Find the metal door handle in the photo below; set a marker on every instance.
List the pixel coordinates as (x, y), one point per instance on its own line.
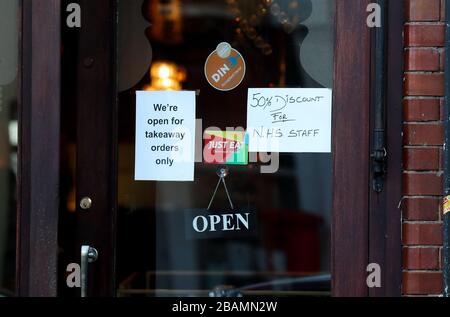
(88, 255)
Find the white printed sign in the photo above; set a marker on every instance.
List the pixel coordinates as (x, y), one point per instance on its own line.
(289, 120)
(165, 135)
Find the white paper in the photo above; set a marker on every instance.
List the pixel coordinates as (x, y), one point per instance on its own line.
(289, 120)
(165, 135)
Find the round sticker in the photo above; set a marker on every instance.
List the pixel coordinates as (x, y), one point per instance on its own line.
(225, 68)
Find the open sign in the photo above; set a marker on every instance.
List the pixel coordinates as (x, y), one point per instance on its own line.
(204, 224)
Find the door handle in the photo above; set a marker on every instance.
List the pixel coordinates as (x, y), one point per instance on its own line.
(88, 255)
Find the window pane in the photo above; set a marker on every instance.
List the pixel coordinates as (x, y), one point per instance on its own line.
(285, 44)
(9, 60)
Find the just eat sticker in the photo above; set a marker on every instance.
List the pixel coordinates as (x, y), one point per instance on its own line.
(225, 147)
(225, 68)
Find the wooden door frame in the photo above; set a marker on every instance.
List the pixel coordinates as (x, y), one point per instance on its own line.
(366, 227)
(96, 174)
(38, 151)
(354, 206)
(385, 242)
(349, 243)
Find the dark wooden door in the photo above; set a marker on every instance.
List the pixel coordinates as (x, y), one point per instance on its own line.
(97, 118)
(96, 140)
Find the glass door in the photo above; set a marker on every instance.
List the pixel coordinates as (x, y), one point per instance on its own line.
(9, 95)
(164, 45)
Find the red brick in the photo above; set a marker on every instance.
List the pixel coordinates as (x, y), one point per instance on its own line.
(417, 84)
(421, 110)
(423, 10)
(422, 60)
(442, 107)
(423, 134)
(424, 35)
(425, 54)
(421, 159)
(422, 184)
(421, 209)
(422, 234)
(422, 283)
(421, 258)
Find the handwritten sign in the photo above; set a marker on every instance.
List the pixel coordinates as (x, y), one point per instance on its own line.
(165, 135)
(289, 120)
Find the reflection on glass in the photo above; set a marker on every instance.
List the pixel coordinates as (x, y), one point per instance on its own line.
(166, 76)
(9, 56)
(285, 43)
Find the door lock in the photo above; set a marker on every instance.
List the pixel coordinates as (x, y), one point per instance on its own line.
(86, 203)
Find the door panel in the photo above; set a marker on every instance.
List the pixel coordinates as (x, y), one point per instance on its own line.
(96, 122)
(351, 153)
(308, 228)
(88, 146)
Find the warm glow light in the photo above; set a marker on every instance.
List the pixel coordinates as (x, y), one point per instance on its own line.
(167, 83)
(166, 76)
(164, 71)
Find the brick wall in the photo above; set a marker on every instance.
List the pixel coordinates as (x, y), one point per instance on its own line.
(423, 139)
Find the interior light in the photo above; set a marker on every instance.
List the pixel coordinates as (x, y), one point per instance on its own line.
(164, 72)
(166, 76)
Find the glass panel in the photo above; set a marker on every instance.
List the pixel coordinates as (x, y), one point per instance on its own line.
(285, 43)
(9, 82)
